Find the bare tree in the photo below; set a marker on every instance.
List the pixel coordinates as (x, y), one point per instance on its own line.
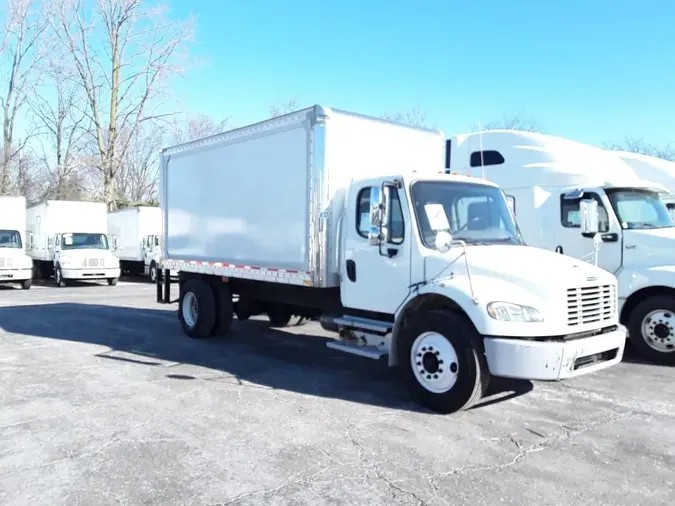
(122, 58)
(24, 27)
(62, 126)
(284, 107)
(413, 117)
(638, 145)
(516, 122)
(188, 127)
(139, 172)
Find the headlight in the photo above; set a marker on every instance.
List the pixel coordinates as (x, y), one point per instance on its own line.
(508, 312)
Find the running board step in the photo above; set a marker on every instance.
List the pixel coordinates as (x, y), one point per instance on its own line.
(364, 324)
(355, 349)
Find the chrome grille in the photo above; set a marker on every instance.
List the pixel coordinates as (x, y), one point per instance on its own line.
(590, 304)
(94, 262)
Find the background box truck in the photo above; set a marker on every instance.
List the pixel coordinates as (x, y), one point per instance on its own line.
(547, 179)
(138, 233)
(321, 213)
(70, 240)
(15, 265)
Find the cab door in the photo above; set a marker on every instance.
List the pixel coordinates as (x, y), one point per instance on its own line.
(375, 277)
(570, 239)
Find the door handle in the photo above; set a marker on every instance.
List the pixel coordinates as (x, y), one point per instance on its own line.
(351, 270)
(612, 237)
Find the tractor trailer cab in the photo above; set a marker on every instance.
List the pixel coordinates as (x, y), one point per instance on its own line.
(352, 220)
(552, 184)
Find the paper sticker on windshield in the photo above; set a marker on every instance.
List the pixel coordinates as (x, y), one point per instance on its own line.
(437, 217)
(68, 239)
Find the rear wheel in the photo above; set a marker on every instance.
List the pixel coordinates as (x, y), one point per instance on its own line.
(197, 308)
(441, 362)
(224, 309)
(279, 316)
(651, 329)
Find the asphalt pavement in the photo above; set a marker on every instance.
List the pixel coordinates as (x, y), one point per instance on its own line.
(105, 401)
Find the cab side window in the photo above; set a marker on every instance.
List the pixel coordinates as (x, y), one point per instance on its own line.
(396, 222)
(570, 216)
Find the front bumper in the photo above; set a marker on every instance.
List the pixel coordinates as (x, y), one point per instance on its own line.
(554, 360)
(15, 275)
(90, 273)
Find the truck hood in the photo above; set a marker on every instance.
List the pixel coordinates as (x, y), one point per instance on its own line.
(649, 247)
(14, 258)
(519, 274)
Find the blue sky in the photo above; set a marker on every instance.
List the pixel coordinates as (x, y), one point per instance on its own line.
(590, 70)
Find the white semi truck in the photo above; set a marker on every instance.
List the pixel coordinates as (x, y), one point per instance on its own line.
(547, 179)
(656, 169)
(351, 219)
(70, 240)
(138, 233)
(15, 265)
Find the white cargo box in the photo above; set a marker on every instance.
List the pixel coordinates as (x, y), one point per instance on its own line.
(263, 201)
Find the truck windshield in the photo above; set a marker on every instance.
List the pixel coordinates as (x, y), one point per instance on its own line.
(84, 241)
(474, 213)
(10, 239)
(639, 208)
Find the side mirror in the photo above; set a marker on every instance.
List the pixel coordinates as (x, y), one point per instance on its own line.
(114, 243)
(443, 241)
(590, 218)
(379, 215)
(29, 240)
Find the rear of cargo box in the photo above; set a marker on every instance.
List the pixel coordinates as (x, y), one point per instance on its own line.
(242, 197)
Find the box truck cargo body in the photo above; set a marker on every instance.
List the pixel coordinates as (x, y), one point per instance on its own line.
(552, 182)
(15, 265)
(351, 219)
(70, 241)
(138, 233)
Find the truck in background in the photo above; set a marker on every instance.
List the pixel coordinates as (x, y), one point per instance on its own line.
(138, 233)
(351, 219)
(548, 179)
(15, 265)
(656, 169)
(70, 240)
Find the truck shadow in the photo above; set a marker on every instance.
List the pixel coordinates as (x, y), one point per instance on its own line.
(294, 361)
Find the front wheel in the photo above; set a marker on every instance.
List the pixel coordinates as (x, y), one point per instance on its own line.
(153, 272)
(26, 284)
(112, 281)
(441, 363)
(58, 277)
(651, 329)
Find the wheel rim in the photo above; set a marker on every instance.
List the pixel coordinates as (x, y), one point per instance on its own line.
(153, 274)
(434, 362)
(658, 330)
(190, 309)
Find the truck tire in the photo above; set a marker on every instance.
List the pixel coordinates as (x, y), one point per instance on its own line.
(651, 329)
(26, 284)
(440, 361)
(58, 277)
(153, 272)
(224, 309)
(279, 316)
(197, 308)
(112, 281)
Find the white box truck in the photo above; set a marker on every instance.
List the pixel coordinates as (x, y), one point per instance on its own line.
(655, 169)
(329, 214)
(70, 240)
(550, 182)
(15, 265)
(138, 233)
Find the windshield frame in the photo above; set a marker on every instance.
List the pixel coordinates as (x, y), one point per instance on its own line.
(611, 196)
(18, 234)
(64, 247)
(518, 239)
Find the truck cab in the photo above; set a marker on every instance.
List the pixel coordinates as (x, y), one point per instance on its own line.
(15, 264)
(84, 256)
(551, 182)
